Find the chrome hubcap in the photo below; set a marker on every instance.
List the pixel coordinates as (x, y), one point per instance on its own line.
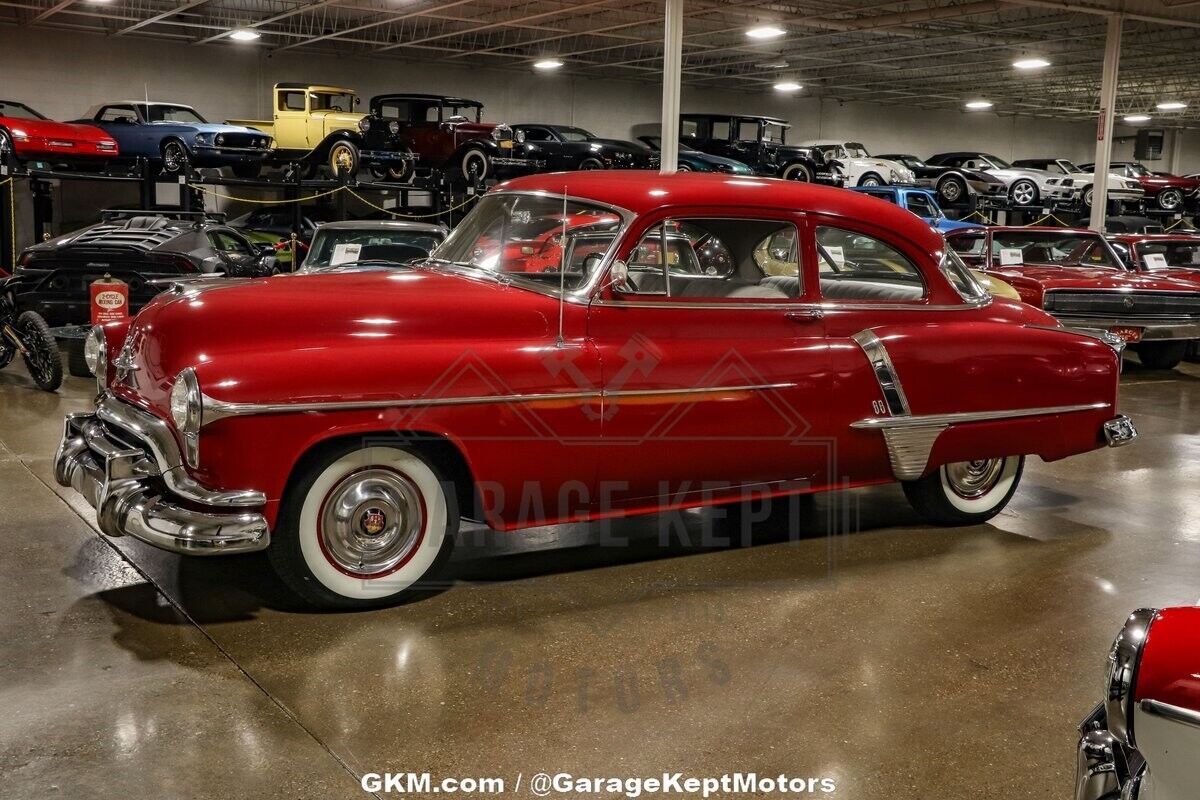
(973, 479)
(372, 522)
(342, 159)
(950, 191)
(1023, 194)
(1169, 200)
(870, 182)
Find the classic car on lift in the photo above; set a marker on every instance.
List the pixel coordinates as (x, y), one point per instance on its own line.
(831, 341)
(952, 184)
(27, 136)
(1167, 192)
(1025, 186)
(695, 161)
(860, 167)
(450, 136)
(760, 143)
(178, 138)
(565, 147)
(1122, 191)
(1075, 275)
(1141, 740)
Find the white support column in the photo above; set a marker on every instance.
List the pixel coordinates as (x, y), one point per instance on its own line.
(672, 69)
(1104, 125)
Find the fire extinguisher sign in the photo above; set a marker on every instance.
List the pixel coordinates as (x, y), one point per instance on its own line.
(110, 300)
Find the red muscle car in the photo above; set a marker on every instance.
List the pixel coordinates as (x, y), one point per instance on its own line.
(344, 421)
(1166, 191)
(27, 135)
(1141, 741)
(1171, 254)
(1076, 276)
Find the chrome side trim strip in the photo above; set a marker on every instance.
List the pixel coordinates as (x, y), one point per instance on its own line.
(791, 305)
(219, 409)
(1156, 708)
(934, 420)
(885, 372)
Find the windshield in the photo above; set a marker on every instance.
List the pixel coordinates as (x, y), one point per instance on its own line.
(998, 163)
(1181, 254)
(1139, 170)
(1011, 248)
(856, 150)
(527, 238)
(18, 111)
(328, 101)
(575, 134)
(1069, 166)
(161, 113)
(334, 247)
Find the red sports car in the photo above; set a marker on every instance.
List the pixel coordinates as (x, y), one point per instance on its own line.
(1141, 741)
(344, 421)
(1076, 275)
(27, 135)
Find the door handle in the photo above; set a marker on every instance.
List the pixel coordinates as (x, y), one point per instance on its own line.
(805, 315)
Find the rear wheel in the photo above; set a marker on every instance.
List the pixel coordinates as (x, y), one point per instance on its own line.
(42, 358)
(1023, 193)
(1161, 355)
(591, 163)
(796, 172)
(952, 189)
(966, 492)
(363, 527)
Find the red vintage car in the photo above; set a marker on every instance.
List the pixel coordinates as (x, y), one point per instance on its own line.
(1075, 275)
(1141, 741)
(27, 135)
(344, 421)
(1165, 191)
(1176, 255)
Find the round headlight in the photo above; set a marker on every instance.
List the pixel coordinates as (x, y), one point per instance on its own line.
(95, 355)
(185, 402)
(220, 139)
(364, 124)
(393, 127)
(501, 132)
(1121, 677)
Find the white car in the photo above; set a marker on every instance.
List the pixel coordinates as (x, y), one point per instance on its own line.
(1026, 186)
(1067, 174)
(861, 168)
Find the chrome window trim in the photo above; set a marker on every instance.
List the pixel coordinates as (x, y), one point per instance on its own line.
(799, 305)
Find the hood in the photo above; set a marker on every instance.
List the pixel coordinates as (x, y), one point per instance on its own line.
(717, 162)
(347, 118)
(1052, 277)
(1013, 173)
(65, 130)
(1168, 182)
(259, 334)
(209, 127)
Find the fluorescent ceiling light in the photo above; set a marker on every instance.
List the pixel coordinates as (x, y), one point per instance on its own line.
(765, 32)
(1171, 105)
(788, 86)
(978, 104)
(244, 35)
(1138, 118)
(1031, 63)
(547, 63)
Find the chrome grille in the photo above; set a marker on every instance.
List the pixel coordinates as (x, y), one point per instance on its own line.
(1139, 304)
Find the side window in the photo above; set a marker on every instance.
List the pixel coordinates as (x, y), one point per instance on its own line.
(1096, 255)
(228, 244)
(920, 205)
(690, 127)
(118, 114)
(704, 260)
(747, 131)
(537, 135)
(857, 267)
(292, 101)
(720, 130)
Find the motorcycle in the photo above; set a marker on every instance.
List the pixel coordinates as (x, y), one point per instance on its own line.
(28, 334)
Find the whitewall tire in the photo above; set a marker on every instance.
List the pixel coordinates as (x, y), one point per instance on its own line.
(967, 492)
(365, 526)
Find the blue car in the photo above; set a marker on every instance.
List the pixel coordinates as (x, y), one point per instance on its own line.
(922, 202)
(179, 138)
(695, 161)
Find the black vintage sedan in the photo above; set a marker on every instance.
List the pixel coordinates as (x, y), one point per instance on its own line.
(563, 148)
(952, 184)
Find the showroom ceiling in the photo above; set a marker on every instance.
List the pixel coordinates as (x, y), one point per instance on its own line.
(928, 54)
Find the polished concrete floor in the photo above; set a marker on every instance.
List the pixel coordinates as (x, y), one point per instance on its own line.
(901, 660)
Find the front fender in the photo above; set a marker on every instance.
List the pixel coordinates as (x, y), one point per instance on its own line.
(322, 149)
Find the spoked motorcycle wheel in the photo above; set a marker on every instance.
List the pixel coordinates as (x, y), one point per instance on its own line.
(41, 351)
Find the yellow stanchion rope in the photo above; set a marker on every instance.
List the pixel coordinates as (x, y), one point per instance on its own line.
(1173, 225)
(449, 210)
(1061, 224)
(982, 217)
(224, 196)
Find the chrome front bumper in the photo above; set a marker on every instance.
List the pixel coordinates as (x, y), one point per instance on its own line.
(1105, 769)
(127, 465)
(1153, 330)
(1119, 431)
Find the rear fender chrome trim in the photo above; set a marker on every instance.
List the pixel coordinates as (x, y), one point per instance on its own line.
(885, 372)
(935, 420)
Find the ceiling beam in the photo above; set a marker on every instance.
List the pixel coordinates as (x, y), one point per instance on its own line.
(161, 16)
(51, 11)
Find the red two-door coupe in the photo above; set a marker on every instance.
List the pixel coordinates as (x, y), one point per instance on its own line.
(1141, 741)
(345, 420)
(1075, 275)
(27, 135)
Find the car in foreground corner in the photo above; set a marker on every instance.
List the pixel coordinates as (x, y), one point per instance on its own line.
(1141, 740)
(466, 385)
(25, 136)
(380, 242)
(1076, 276)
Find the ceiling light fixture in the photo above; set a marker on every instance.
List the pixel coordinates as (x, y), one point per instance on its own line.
(244, 35)
(1171, 105)
(547, 64)
(788, 86)
(977, 105)
(1137, 118)
(765, 32)
(1031, 63)
(772, 64)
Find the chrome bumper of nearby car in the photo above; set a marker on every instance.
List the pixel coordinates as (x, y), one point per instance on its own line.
(1153, 329)
(128, 466)
(1105, 768)
(1119, 431)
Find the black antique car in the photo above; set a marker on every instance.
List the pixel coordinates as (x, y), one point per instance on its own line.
(761, 143)
(564, 147)
(54, 277)
(952, 184)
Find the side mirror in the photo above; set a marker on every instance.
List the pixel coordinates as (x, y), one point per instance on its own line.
(618, 275)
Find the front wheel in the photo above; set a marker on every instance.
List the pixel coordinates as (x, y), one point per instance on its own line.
(871, 179)
(591, 163)
(952, 190)
(1024, 193)
(175, 157)
(364, 527)
(343, 157)
(475, 166)
(41, 351)
(966, 492)
(1161, 355)
(1089, 194)
(796, 172)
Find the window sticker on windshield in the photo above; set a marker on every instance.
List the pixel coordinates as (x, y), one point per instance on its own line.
(1011, 257)
(1155, 261)
(836, 253)
(344, 254)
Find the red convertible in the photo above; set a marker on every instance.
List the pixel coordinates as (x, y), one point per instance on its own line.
(1076, 275)
(1141, 741)
(344, 421)
(27, 135)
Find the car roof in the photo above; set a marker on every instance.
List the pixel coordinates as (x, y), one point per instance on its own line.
(642, 191)
(382, 224)
(316, 87)
(439, 98)
(1155, 237)
(775, 120)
